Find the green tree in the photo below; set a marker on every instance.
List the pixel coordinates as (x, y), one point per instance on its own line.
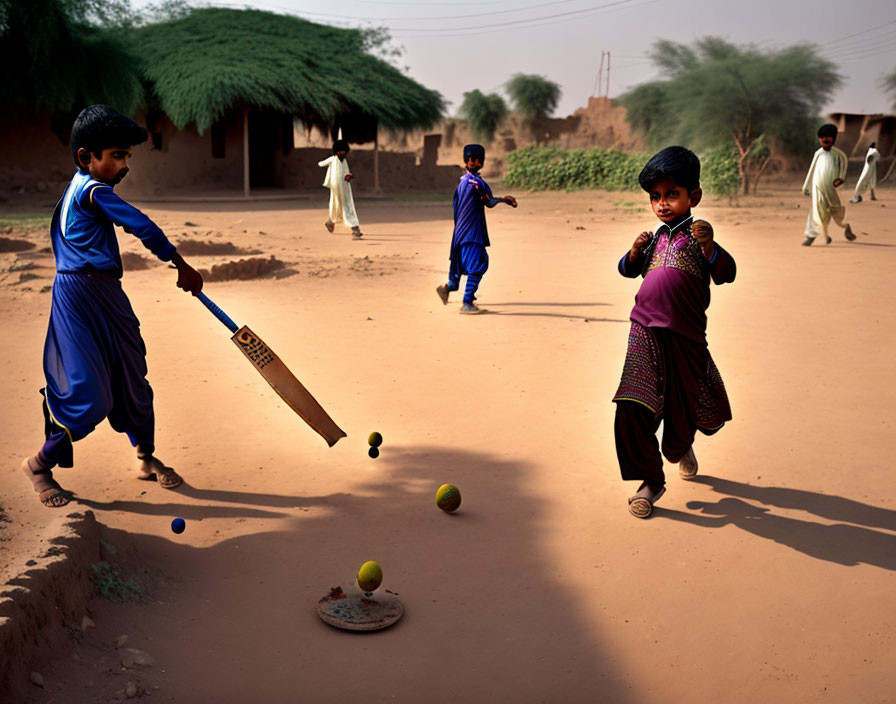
(64, 54)
(533, 96)
(484, 113)
(717, 92)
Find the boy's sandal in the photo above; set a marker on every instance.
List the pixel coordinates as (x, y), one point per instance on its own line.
(55, 496)
(165, 476)
(642, 507)
(467, 309)
(443, 294)
(687, 468)
(48, 490)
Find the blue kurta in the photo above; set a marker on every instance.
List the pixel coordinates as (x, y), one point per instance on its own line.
(470, 198)
(94, 356)
(82, 231)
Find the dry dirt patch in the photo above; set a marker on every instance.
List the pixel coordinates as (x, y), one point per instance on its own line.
(246, 270)
(198, 248)
(8, 244)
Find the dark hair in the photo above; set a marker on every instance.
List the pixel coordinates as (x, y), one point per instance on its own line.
(677, 163)
(874, 145)
(828, 130)
(340, 145)
(474, 151)
(99, 127)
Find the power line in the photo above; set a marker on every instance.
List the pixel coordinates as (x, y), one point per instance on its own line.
(409, 33)
(864, 44)
(856, 34)
(510, 23)
(889, 49)
(437, 18)
(882, 43)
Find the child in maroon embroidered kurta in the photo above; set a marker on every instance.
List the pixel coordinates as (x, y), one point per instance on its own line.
(669, 374)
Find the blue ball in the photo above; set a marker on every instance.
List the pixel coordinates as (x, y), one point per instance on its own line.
(178, 525)
(373, 452)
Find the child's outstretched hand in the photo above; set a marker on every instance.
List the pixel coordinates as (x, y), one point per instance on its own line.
(702, 232)
(510, 200)
(639, 245)
(188, 278)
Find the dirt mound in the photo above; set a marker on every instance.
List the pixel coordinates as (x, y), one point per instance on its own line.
(246, 270)
(198, 248)
(44, 598)
(134, 262)
(8, 244)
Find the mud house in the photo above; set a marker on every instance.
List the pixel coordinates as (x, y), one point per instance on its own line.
(223, 90)
(857, 132)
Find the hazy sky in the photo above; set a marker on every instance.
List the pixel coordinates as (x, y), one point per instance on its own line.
(456, 46)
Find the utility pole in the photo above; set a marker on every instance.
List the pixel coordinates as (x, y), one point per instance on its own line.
(607, 86)
(599, 77)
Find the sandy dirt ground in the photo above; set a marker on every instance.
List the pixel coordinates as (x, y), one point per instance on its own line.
(769, 578)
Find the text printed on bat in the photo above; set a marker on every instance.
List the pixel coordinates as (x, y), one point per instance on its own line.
(256, 350)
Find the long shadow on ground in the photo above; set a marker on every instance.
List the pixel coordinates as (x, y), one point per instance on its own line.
(488, 618)
(841, 543)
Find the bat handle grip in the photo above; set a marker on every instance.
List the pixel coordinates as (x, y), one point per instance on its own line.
(217, 312)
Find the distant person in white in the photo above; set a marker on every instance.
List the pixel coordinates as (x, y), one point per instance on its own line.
(868, 179)
(826, 173)
(338, 178)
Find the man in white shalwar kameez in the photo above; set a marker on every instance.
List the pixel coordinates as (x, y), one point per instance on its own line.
(868, 179)
(826, 173)
(338, 180)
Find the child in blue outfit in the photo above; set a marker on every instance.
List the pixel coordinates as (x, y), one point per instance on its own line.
(94, 356)
(468, 255)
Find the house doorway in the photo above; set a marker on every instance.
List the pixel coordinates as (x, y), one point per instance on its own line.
(264, 145)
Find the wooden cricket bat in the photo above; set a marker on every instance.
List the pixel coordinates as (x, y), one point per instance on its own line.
(277, 374)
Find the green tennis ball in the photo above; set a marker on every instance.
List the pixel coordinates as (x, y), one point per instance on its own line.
(370, 576)
(375, 439)
(448, 498)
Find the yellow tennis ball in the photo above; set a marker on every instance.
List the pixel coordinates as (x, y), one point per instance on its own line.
(448, 497)
(375, 439)
(370, 576)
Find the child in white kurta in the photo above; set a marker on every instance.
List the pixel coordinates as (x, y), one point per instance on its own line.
(868, 179)
(826, 173)
(338, 180)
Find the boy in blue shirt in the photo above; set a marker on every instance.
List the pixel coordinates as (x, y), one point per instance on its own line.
(94, 356)
(468, 255)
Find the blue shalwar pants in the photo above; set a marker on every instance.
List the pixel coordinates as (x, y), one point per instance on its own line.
(95, 366)
(470, 259)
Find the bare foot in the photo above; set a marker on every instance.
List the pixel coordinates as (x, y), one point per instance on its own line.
(443, 293)
(48, 490)
(153, 469)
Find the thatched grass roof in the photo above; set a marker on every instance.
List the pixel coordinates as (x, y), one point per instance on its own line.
(214, 60)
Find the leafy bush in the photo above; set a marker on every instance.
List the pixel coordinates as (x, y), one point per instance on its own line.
(110, 585)
(556, 169)
(718, 171)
